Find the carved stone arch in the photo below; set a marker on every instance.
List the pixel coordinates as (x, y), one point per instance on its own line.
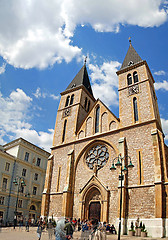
(94, 192)
(81, 134)
(104, 122)
(113, 125)
(89, 127)
(89, 145)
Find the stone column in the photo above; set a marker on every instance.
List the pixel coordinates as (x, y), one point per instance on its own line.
(46, 193)
(122, 151)
(67, 192)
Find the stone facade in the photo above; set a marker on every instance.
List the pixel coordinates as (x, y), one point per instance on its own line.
(81, 184)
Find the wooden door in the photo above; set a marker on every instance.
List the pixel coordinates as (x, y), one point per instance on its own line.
(94, 210)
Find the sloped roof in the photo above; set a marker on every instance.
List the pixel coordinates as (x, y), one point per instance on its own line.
(80, 79)
(131, 57)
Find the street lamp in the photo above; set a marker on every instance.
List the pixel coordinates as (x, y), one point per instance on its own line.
(120, 160)
(19, 182)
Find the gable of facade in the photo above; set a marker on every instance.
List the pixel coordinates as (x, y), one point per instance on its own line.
(99, 119)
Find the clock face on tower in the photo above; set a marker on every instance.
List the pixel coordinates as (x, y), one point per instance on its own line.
(66, 112)
(97, 155)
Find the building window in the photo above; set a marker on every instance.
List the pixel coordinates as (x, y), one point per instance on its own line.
(88, 107)
(97, 119)
(85, 103)
(135, 77)
(7, 166)
(4, 184)
(38, 162)
(22, 189)
(135, 105)
(26, 156)
(58, 179)
(129, 79)
(34, 190)
(20, 202)
(67, 101)
(72, 99)
(36, 176)
(2, 200)
(1, 215)
(24, 172)
(140, 167)
(32, 207)
(64, 131)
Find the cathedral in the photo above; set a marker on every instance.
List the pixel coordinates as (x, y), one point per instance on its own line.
(96, 156)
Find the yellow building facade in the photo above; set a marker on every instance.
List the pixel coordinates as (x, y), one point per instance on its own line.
(87, 139)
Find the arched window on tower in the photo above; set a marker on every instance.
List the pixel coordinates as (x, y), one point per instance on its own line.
(135, 77)
(67, 101)
(88, 107)
(135, 105)
(85, 103)
(64, 131)
(129, 79)
(72, 99)
(97, 119)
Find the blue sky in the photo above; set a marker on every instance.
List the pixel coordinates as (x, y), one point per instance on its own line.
(43, 45)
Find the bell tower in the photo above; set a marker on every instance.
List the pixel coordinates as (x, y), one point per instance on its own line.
(75, 103)
(137, 98)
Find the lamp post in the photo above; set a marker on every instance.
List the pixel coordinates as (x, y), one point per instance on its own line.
(120, 162)
(19, 182)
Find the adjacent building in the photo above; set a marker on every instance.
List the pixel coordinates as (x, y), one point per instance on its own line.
(22, 176)
(87, 139)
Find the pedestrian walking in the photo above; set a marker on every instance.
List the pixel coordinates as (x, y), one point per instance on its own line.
(39, 230)
(14, 222)
(50, 229)
(27, 224)
(69, 229)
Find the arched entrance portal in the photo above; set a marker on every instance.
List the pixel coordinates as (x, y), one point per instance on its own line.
(93, 204)
(94, 201)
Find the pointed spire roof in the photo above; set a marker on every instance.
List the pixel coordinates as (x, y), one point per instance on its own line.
(131, 58)
(81, 79)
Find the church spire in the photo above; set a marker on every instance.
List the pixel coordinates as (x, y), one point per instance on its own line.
(81, 79)
(131, 57)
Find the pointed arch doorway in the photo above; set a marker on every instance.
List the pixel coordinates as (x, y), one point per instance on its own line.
(94, 201)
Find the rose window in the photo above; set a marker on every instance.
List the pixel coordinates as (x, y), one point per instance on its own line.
(97, 155)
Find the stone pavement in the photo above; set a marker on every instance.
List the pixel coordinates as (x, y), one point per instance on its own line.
(11, 234)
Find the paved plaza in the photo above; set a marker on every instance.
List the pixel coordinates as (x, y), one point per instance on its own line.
(11, 234)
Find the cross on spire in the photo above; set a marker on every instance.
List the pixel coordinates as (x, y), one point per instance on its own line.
(85, 60)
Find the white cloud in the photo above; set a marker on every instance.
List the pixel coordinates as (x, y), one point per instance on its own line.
(105, 82)
(161, 85)
(159, 73)
(39, 33)
(14, 120)
(40, 94)
(165, 127)
(2, 68)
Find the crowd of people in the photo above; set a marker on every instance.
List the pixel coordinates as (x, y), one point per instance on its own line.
(63, 229)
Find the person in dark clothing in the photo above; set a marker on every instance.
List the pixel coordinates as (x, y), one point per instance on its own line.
(69, 229)
(14, 222)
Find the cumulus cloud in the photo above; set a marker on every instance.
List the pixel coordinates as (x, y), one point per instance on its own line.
(105, 82)
(40, 33)
(161, 85)
(40, 94)
(165, 127)
(160, 73)
(2, 68)
(14, 120)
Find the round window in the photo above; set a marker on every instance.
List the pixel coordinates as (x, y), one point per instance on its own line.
(97, 155)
